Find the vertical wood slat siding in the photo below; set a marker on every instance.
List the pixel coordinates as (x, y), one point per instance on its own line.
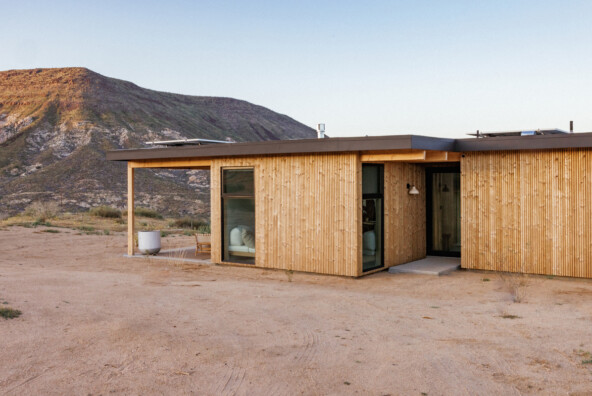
(304, 206)
(527, 211)
(404, 214)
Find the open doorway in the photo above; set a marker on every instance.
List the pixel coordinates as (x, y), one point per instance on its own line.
(443, 211)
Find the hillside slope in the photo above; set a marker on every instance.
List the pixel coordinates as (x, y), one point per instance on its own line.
(56, 124)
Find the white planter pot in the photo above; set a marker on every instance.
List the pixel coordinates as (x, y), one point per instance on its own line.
(149, 242)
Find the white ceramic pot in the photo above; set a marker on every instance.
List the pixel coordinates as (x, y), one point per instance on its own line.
(149, 242)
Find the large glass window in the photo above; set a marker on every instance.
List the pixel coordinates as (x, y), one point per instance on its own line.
(238, 215)
(372, 216)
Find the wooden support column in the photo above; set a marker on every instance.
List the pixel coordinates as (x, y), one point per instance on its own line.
(130, 209)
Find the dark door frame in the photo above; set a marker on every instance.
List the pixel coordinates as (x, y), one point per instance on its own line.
(429, 213)
(380, 196)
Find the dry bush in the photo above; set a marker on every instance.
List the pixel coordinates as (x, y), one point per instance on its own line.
(146, 212)
(106, 212)
(516, 284)
(42, 211)
(189, 222)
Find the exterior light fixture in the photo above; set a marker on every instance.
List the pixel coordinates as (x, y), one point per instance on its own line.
(412, 189)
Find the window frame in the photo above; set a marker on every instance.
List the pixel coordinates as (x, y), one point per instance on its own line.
(379, 195)
(224, 196)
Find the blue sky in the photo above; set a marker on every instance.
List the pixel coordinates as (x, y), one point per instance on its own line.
(440, 68)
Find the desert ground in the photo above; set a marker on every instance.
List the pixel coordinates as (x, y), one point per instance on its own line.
(94, 322)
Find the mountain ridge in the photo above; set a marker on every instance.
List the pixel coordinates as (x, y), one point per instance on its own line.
(56, 123)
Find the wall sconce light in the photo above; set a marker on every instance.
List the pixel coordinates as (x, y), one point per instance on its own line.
(412, 189)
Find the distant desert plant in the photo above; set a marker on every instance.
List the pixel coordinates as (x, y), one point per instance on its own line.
(516, 285)
(9, 313)
(506, 315)
(105, 211)
(188, 222)
(51, 231)
(42, 211)
(204, 229)
(290, 275)
(145, 212)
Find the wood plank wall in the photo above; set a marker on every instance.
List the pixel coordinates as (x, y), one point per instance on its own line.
(528, 211)
(404, 214)
(307, 211)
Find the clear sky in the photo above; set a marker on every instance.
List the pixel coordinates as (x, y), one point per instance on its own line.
(441, 68)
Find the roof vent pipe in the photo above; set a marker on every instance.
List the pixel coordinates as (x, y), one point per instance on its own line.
(321, 131)
(571, 127)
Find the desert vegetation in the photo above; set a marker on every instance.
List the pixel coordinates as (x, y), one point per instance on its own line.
(43, 211)
(516, 284)
(190, 223)
(106, 211)
(9, 313)
(102, 220)
(146, 212)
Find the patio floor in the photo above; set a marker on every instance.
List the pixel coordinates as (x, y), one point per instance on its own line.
(184, 254)
(431, 265)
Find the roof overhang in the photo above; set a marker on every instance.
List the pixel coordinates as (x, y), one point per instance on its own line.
(358, 144)
(536, 142)
(301, 146)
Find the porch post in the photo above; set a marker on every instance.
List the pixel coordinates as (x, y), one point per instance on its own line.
(130, 209)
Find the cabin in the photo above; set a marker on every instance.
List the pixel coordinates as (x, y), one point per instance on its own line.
(517, 202)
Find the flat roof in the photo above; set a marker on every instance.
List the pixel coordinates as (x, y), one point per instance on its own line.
(365, 143)
(519, 133)
(535, 142)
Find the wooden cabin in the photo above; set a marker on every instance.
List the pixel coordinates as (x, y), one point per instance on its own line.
(354, 206)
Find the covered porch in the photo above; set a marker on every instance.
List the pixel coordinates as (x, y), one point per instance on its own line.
(185, 253)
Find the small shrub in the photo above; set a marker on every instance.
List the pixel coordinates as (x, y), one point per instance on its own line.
(204, 229)
(106, 211)
(516, 285)
(509, 316)
(145, 212)
(40, 222)
(188, 233)
(164, 234)
(43, 210)
(584, 355)
(51, 230)
(9, 313)
(188, 222)
(106, 232)
(86, 228)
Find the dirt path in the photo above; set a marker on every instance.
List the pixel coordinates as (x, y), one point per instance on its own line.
(96, 323)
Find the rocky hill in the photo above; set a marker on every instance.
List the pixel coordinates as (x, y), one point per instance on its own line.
(56, 124)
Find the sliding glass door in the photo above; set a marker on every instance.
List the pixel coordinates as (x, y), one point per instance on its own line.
(443, 211)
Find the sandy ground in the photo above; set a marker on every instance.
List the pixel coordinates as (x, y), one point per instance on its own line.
(96, 323)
